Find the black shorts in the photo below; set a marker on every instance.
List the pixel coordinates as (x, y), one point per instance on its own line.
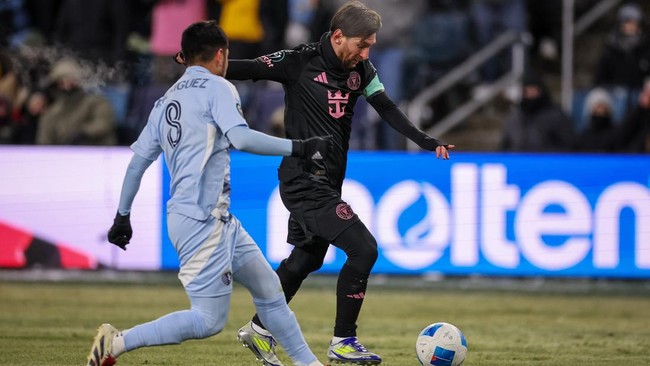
(317, 211)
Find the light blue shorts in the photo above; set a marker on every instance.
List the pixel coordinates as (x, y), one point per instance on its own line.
(210, 252)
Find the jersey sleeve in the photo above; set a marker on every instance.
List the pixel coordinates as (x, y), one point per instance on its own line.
(226, 106)
(282, 66)
(148, 144)
(373, 86)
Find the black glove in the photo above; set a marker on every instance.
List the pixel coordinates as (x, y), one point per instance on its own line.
(313, 148)
(120, 233)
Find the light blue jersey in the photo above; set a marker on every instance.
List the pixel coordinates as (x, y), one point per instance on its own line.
(189, 124)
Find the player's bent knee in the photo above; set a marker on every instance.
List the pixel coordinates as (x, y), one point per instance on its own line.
(212, 326)
(209, 316)
(365, 260)
(364, 254)
(303, 265)
(215, 328)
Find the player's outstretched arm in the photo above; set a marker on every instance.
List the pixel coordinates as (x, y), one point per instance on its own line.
(389, 112)
(237, 69)
(246, 139)
(121, 232)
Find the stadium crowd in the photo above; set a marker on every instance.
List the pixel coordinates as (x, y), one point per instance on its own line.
(86, 72)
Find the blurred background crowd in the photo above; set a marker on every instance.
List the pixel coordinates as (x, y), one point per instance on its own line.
(86, 72)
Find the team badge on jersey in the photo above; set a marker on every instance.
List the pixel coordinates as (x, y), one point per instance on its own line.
(354, 80)
(344, 211)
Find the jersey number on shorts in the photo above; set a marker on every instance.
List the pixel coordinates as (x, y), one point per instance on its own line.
(172, 117)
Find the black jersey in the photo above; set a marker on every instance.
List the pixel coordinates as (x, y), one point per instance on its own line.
(320, 95)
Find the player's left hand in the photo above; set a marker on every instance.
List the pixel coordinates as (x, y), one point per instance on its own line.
(120, 233)
(443, 151)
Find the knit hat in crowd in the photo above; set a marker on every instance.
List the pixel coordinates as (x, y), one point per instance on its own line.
(630, 11)
(65, 69)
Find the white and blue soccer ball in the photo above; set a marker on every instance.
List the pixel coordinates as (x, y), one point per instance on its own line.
(441, 344)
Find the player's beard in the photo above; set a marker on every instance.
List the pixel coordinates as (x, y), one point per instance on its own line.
(350, 64)
(223, 67)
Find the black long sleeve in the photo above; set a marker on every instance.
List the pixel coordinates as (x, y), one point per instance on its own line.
(243, 70)
(283, 66)
(390, 113)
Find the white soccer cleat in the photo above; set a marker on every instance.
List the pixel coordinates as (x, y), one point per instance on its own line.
(101, 352)
(350, 351)
(262, 346)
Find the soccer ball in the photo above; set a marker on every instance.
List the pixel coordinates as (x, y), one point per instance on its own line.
(441, 344)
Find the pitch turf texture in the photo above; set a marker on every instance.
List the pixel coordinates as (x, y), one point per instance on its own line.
(584, 323)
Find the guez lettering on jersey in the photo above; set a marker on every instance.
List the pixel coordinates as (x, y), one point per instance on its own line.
(192, 83)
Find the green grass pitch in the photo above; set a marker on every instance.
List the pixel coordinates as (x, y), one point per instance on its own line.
(46, 323)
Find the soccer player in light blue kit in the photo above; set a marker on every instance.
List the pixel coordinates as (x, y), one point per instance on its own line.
(194, 124)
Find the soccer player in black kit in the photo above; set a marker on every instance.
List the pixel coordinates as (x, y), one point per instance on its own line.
(322, 82)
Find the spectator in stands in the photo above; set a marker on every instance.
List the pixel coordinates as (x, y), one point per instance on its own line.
(537, 124)
(75, 116)
(13, 23)
(637, 124)
(388, 56)
(301, 17)
(169, 19)
(545, 18)
(6, 123)
(26, 127)
(131, 100)
(242, 22)
(42, 16)
(95, 33)
(600, 134)
(254, 27)
(95, 30)
(320, 23)
(275, 18)
(12, 85)
(625, 60)
(138, 47)
(18, 77)
(491, 18)
(440, 39)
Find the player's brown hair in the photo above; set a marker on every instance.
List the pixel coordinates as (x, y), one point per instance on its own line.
(355, 19)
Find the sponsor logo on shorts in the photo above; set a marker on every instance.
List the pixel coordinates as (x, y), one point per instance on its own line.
(344, 211)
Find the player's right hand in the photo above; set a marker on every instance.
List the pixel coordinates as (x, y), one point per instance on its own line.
(442, 151)
(313, 148)
(120, 233)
